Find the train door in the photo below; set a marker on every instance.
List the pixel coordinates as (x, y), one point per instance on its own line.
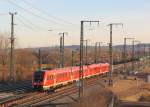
(49, 80)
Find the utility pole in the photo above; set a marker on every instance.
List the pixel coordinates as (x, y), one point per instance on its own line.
(100, 51)
(86, 53)
(111, 53)
(124, 55)
(133, 53)
(73, 53)
(40, 60)
(95, 55)
(149, 50)
(138, 52)
(72, 62)
(12, 39)
(81, 56)
(138, 46)
(133, 58)
(97, 51)
(60, 52)
(144, 50)
(62, 47)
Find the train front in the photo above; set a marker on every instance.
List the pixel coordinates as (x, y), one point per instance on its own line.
(38, 80)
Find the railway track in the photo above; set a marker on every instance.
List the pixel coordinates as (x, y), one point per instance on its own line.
(31, 98)
(37, 98)
(58, 95)
(16, 87)
(134, 104)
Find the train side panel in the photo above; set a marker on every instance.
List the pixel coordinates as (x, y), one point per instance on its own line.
(75, 73)
(49, 80)
(63, 76)
(53, 78)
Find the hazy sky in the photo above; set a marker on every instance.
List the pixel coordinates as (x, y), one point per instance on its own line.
(36, 17)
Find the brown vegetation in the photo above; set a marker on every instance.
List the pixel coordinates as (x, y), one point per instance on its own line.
(4, 46)
(100, 97)
(27, 60)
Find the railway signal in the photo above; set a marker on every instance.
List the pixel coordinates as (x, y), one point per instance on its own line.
(110, 52)
(81, 55)
(12, 40)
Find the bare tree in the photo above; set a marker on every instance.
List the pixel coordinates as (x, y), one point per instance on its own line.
(24, 63)
(4, 51)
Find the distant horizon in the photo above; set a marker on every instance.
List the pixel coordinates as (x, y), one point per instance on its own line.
(120, 45)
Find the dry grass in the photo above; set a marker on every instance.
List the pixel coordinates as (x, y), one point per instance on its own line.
(97, 97)
(146, 95)
(132, 90)
(146, 86)
(147, 69)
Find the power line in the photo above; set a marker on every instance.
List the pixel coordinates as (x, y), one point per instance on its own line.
(29, 22)
(24, 24)
(32, 13)
(33, 25)
(46, 13)
(3, 14)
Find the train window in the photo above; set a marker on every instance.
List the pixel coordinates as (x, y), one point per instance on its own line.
(38, 76)
(50, 77)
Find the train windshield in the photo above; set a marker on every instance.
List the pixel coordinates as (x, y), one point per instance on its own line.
(38, 76)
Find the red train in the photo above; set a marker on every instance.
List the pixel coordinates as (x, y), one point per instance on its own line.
(49, 79)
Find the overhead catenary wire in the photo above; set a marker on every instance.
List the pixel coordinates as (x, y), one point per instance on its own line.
(30, 22)
(24, 24)
(34, 14)
(3, 14)
(33, 25)
(46, 13)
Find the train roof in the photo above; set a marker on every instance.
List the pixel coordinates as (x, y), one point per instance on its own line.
(68, 69)
(59, 70)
